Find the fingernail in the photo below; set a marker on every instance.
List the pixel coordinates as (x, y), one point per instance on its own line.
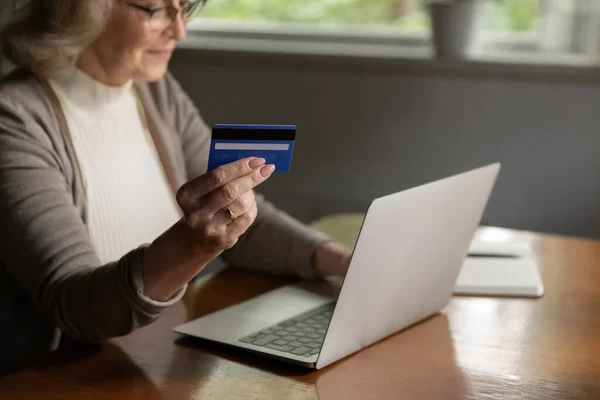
(257, 162)
(267, 170)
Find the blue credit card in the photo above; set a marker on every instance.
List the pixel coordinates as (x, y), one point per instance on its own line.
(274, 143)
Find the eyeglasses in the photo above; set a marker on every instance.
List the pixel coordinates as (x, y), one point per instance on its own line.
(162, 17)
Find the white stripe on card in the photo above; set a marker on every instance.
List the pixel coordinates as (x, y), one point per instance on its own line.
(251, 146)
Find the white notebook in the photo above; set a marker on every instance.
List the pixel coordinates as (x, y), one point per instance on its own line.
(512, 249)
(500, 276)
(498, 242)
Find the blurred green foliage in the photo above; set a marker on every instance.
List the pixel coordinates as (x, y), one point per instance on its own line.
(515, 15)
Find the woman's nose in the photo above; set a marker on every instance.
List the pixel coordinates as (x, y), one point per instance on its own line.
(179, 28)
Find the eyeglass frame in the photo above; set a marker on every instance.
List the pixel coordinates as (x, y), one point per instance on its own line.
(173, 12)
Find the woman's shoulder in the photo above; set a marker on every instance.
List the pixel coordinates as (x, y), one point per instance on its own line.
(22, 95)
(25, 110)
(21, 87)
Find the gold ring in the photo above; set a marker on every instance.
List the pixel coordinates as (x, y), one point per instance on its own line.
(231, 214)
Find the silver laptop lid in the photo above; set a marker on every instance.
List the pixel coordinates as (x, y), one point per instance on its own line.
(406, 261)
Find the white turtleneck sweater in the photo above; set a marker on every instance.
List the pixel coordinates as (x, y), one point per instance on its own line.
(130, 202)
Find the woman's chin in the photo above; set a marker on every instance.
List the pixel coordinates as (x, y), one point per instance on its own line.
(151, 73)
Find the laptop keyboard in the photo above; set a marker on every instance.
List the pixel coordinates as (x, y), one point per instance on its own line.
(302, 335)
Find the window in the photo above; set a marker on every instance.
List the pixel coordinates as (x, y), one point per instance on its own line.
(513, 16)
(406, 14)
(552, 26)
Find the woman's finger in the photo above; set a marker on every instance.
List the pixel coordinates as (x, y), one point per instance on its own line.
(241, 205)
(190, 195)
(225, 217)
(243, 222)
(230, 192)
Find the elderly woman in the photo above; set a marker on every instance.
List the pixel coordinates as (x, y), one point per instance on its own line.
(101, 153)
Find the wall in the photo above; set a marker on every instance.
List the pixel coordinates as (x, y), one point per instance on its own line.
(367, 129)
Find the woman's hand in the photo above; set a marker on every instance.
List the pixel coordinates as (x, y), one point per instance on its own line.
(332, 259)
(218, 208)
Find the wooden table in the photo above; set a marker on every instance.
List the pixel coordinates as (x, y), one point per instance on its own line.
(478, 348)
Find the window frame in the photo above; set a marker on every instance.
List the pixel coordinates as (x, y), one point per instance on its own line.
(583, 45)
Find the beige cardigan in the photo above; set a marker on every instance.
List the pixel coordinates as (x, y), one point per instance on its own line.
(51, 281)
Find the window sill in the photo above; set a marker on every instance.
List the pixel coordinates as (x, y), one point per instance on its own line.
(381, 49)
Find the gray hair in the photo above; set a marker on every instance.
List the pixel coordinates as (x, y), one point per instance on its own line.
(45, 36)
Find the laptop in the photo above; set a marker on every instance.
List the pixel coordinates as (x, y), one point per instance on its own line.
(411, 247)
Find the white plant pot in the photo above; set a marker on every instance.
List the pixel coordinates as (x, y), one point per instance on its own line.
(557, 25)
(454, 24)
